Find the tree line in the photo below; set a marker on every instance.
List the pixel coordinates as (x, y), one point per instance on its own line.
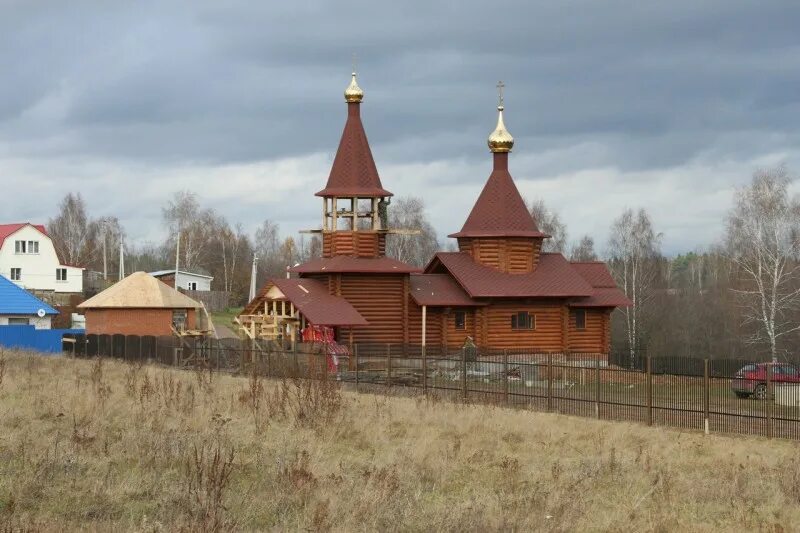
(201, 240)
(739, 297)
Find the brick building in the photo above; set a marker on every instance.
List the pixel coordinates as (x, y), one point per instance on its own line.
(140, 305)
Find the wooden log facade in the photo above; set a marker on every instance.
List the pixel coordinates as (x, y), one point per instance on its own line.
(491, 326)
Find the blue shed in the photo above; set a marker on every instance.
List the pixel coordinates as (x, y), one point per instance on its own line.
(18, 307)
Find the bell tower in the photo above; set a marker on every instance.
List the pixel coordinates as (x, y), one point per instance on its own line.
(354, 202)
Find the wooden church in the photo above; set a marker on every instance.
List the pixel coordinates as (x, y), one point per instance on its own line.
(499, 290)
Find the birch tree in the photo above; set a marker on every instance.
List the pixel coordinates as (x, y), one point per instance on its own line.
(409, 213)
(634, 248)
(584, 250)
(193, 225)
(762, 235)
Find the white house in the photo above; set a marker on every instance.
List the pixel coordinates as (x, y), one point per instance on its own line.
(189, 281)
(29, 259)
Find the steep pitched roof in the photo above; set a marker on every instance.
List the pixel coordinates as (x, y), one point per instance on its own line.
(439, 290)
(553, 277)
(138, 291)
(354, 172)
(500, 210)
(343, 263)
(6, 230)
(14, 300)
(315, 302)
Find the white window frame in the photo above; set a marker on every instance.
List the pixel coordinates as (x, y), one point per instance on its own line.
(191, 285)
(33, 247)
(18, 272)
(61, 274)
(20, 247)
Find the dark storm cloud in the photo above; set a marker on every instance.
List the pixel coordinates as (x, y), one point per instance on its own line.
(636, 86)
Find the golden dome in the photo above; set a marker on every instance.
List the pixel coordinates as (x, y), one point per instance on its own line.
(500, 140)
(353, 93)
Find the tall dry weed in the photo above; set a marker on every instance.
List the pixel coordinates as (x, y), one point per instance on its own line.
(313, 403)
(102, 389)
(2, 366)
(207, 477)
(253, 397)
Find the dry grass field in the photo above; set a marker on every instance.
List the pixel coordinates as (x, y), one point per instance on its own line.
(101, 445)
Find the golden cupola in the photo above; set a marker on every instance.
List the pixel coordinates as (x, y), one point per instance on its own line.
(500, 141)
(353, 94)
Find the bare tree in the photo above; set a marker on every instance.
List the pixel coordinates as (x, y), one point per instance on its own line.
(192, 224)
(584, 250)
(634, 248)
(409, 213)
(267, 246)
(763, 231)
(549, 222)
(71, 230)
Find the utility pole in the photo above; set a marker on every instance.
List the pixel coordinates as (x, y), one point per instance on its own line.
(121, 261)
(253, 279)
(105, 257)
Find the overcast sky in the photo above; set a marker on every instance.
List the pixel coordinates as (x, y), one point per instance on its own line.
(663, 105)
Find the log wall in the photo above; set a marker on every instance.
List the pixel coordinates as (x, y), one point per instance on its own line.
(592, 339)
(353, 243)
(515, 255)
(380, 300)
(547, 335)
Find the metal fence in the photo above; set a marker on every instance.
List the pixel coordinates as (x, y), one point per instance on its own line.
(690, 393)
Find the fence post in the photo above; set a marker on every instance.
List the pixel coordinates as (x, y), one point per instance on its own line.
(549, 381)
(464, 372)
(355, 358)
(705, 395)
(597, 388)
(505, 376)
(769, 400)
(424, 371)
(388, 365)
(649, 393)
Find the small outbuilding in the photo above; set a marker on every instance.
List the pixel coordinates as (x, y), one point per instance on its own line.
(188, 281)
(141, 305)
(18, 307)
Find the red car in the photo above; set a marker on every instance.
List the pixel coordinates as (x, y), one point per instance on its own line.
(752, 379)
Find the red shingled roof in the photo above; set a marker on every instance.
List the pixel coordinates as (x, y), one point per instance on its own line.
(500, 210)
(343, 263)
(553, 277)
(318, 306)
(354, 172)
(604, 297)
(605, 292)
(6, 230)
(595, 272)
(439, 290)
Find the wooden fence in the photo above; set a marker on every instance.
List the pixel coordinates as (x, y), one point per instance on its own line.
(688, 393)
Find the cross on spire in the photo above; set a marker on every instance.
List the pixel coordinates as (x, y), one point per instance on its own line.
(500, 86)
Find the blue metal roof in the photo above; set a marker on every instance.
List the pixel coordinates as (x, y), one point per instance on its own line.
(15, 300)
